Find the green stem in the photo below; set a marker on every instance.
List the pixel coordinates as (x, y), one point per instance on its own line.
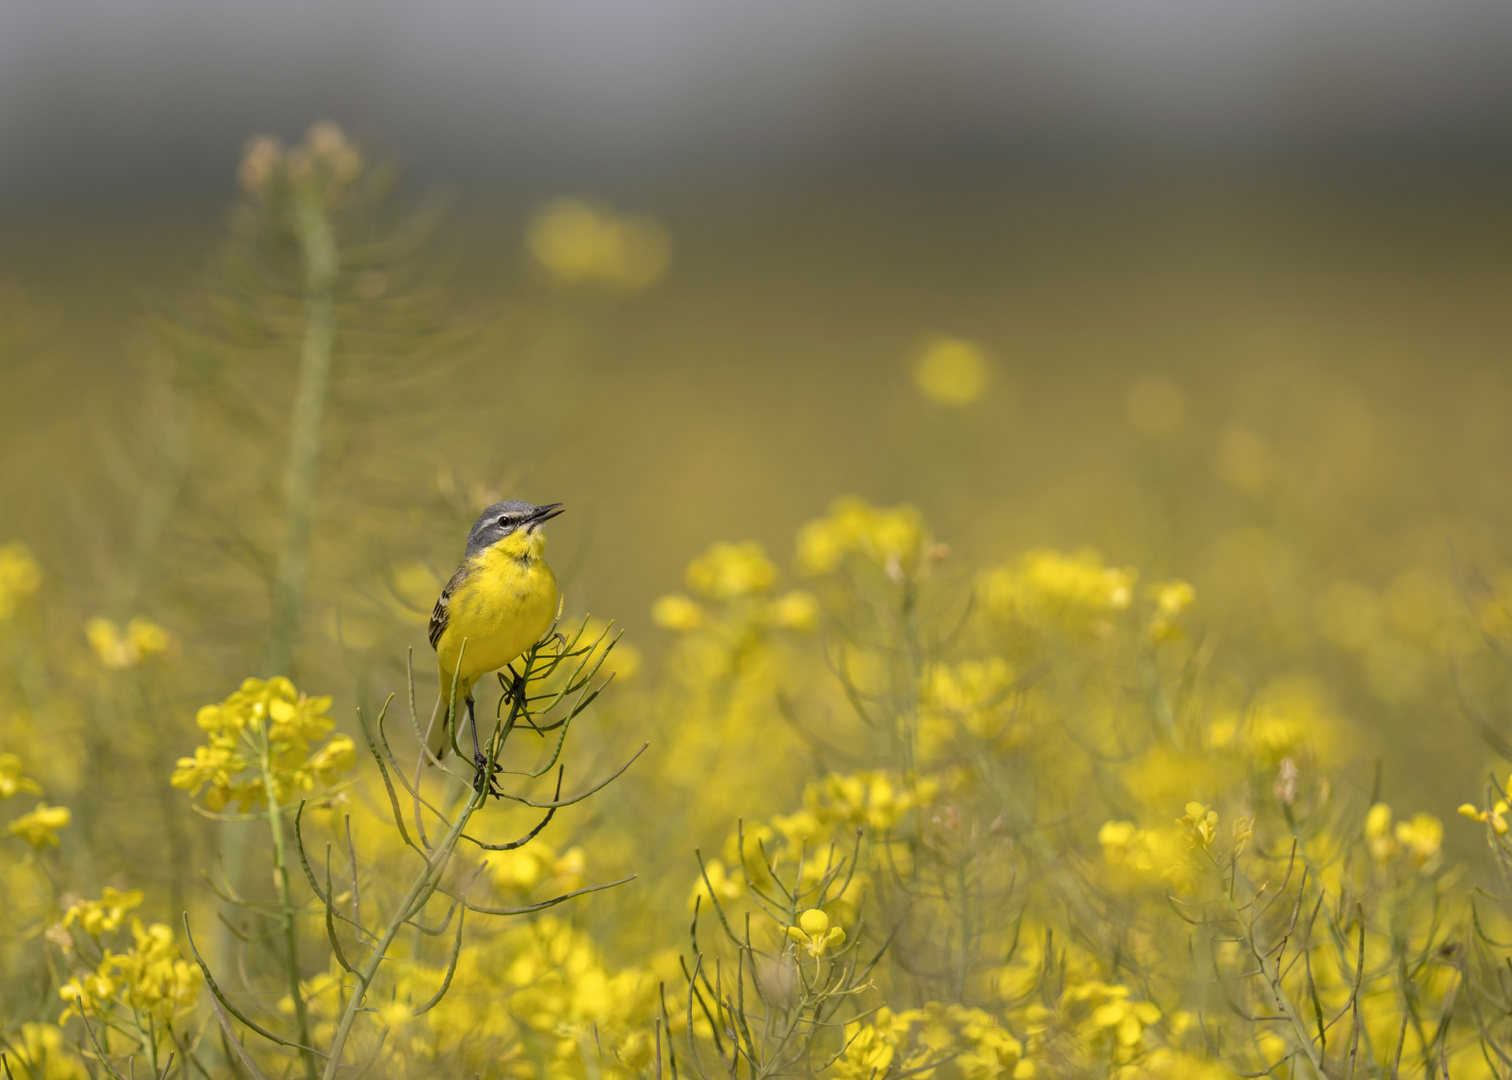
(286, 908)
(422, 885)
(318, 241)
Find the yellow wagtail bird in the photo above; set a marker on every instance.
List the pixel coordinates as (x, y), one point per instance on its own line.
(500, 601)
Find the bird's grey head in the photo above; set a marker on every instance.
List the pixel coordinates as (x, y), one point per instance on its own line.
(503, 518)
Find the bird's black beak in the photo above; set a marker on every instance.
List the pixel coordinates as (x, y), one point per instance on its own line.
(542, 514)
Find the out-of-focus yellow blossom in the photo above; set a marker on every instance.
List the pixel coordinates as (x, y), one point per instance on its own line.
(877, 800)
(729, 571)
(677, 613)
(521, 870)
(1422, 838)
(1103, 1014)
(338, 755)
(39, 828)
(798, 827)
(263, 716)
(728, 884)
(42, 1053)
(1158, 853)
(142, 640)
(105, 915)
(951, 371)
(1043, 587)
(1378, 835)
(972, 694)
(890, 538)
(1201, 825)
(990, 1052)
(11, 780)
(20, 577)
(1287, 721)
(797, 611)
(1172, 599)
(624, 660)
(581, 243)
(814, 934)
(750, 852)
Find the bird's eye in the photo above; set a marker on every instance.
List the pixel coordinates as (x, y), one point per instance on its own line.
(502, 522)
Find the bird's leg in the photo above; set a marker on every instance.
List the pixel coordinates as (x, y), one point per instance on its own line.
(480, 760)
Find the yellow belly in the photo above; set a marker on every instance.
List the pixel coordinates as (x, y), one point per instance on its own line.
(502, 608)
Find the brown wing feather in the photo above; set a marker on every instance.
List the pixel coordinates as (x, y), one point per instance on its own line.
(440, 614)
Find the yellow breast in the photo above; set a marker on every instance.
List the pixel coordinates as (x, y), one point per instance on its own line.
(503, 606)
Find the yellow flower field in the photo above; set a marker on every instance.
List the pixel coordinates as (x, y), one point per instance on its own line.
(1000, 723)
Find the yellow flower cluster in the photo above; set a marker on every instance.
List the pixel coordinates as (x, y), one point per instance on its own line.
(12, 782)
(518, 872)
(105, 915)
(974, 695)
(39, 828)
(20, 577)
(40, 1053)
(1157, 853)
(832, 809)
(264, 720)
(141, 640)
(150, 980)
(891, 539)
(581, 243)
(875, 799)
(1105, 1018)
(736, 579)
(1044, 588)
(1420, 838)
(1288, 721)
(924, 1042)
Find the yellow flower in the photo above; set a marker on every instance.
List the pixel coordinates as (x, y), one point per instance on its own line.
(40, 827)
(337, 755)
(1378, 837)
(951, 371)
(579, 243)
(20, 577)
(1496, 815)
(677, 613)
(1422, 838)
(875, 799)
(727, 886)
(814, 932)
(1075, 592)
(142, 640)
(42, 1053)
(1201, 825)
(728, 571)
(270, 717)
(797, 611)
(891, 538)
(1172, 599)
(11, 780)
(105, 915)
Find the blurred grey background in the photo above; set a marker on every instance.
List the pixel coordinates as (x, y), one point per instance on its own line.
(158, 95)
